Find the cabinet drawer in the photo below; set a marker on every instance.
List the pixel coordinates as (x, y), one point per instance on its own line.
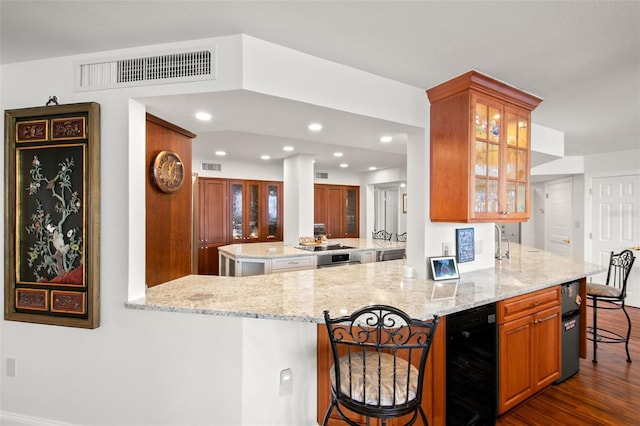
(527, 304)
(292, 263)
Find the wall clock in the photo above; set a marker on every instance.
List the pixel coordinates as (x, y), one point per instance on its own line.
(168, 171)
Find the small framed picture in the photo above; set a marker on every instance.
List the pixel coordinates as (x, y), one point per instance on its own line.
(444, 268)
(465, 245)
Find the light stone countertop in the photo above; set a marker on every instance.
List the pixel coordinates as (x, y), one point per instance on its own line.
(304, 295)
(279, 249)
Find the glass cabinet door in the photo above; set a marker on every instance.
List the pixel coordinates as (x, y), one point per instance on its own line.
(351, 212)
(253, 211)
(486, 159)
(517, 161)
(237, 219)
(273, 227)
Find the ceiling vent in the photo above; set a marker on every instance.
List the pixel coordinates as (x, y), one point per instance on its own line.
(166, 67)
(211, 167)
(322, 175)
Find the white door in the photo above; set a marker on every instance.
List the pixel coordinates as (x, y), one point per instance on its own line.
(615, 222)
(559, 214)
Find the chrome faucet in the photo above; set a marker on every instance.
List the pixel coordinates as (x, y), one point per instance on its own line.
(499, 254)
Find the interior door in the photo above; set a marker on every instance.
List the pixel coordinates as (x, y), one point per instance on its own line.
(615, 221)
(559, 215)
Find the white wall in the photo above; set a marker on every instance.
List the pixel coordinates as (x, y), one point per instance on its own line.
(152, 368)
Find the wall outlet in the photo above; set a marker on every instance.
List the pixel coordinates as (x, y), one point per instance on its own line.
(11, 367)
(447, 249)
(479, 248)
(286, 382)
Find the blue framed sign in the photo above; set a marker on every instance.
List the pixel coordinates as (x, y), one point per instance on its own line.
(465, 245)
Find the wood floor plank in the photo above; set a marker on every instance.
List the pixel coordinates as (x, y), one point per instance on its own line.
(602, 394)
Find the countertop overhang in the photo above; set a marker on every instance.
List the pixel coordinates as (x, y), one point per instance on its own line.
(304, 295)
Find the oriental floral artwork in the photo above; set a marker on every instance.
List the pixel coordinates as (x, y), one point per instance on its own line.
(52, 222)
(52, 238)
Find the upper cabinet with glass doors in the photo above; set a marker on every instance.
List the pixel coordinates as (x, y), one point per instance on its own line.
(480, 150)
(256, 211)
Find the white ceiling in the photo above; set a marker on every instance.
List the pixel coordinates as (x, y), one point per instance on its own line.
(582, 58)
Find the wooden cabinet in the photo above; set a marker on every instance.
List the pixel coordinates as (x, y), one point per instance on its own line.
(235, 211)
(256, 211)
(529, 345)
(337, 206)
(480, 150)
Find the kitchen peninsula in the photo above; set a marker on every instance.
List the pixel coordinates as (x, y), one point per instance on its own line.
(302, 296)
(241, 260)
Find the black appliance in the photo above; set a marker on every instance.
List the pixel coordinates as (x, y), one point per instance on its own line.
(570, 330)
(328, 247)
(472, 391)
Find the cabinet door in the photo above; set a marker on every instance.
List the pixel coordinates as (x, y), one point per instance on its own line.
(335, 212)
(487, 182)
(517, 164)
(245, 217)
(208, 263)
(351, 201)
(212, 221)
(548, 347)
(516, 359)
(271, 228)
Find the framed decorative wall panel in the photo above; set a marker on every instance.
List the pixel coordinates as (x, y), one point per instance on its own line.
(52, 220)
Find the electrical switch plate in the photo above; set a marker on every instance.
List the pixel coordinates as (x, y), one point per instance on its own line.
(286, 382)
(447, 249)
(11, 367)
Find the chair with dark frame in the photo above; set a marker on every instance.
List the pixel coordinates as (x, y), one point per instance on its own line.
(401, 237)
(381, 235)
(612, 294)
(379, 359)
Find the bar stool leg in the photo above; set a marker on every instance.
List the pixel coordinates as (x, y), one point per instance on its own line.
(626, 343)
(595, 330)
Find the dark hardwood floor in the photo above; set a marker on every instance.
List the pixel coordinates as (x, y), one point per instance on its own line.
(606, 393)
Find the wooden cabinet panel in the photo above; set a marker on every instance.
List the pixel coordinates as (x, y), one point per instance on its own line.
(516, 358)
(337, 206)
(547, 337)
(169, 237)
(212, 216)
(529, 345)
(480, 151)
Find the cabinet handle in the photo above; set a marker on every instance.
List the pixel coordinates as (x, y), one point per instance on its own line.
(536, 303)
(292, 262)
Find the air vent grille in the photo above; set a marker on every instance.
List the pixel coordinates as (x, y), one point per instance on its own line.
(166, 68)
(322, 175)
(211, 167)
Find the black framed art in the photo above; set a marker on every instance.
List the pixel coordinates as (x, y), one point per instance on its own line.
(52, 198)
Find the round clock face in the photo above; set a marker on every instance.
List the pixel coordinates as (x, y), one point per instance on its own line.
(168, 171)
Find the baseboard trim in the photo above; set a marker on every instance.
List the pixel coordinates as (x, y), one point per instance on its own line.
(15, 419)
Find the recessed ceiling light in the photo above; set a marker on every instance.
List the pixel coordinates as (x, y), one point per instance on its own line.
(403, 185)
(372, 168)
(337, 154)
(287, 148)
(344, 165)
(386, 139)
(204, 116)
(265, 157)
(315, 127)
(221, 153)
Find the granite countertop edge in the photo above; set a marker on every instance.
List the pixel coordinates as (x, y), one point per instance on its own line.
(302, 296)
